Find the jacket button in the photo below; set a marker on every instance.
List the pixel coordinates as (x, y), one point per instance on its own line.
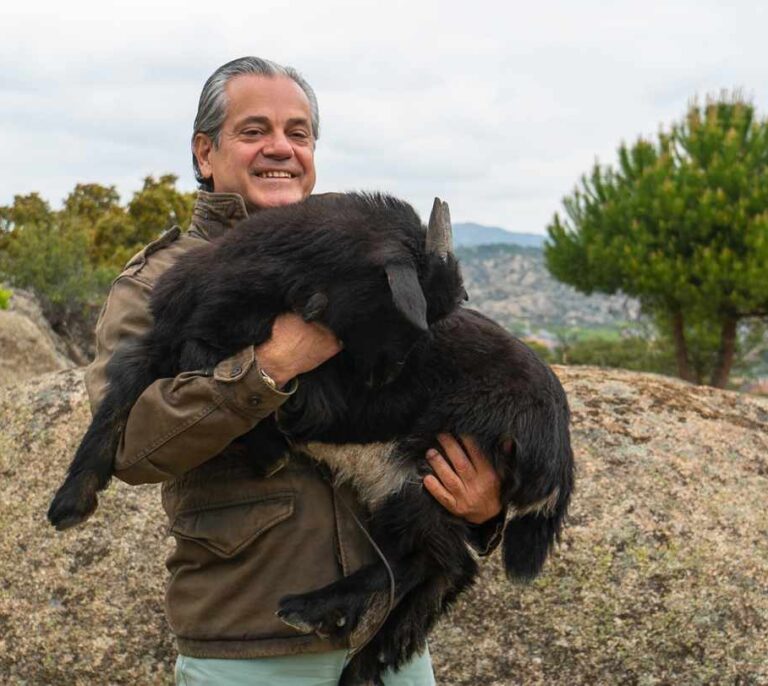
(235, 371)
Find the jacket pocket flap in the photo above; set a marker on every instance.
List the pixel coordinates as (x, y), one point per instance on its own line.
(227, 529)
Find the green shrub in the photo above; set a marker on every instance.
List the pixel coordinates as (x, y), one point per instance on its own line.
(52, 260)
(634, 353)
(540, 349)
(5, 298)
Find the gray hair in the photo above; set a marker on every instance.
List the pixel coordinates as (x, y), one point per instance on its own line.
(212, 107)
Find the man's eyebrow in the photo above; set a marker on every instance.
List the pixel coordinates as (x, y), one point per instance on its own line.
(297, 121)
(253, 119)
(265, 121)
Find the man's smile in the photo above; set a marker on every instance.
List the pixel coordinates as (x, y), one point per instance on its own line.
(275, 175)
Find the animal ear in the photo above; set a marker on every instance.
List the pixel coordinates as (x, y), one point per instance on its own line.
(407, 294)
(314, 307)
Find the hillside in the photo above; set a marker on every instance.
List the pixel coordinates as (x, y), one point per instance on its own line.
(661, 578)
(511, 284)
(469, 234)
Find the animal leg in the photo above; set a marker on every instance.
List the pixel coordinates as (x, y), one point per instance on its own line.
(419, 540)
(336, 609)
(129, 373)
(404, 634)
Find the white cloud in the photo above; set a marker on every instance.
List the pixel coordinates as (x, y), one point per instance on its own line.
(499, 107)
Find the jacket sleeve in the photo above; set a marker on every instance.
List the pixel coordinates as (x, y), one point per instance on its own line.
(176, 424)
(485, 537)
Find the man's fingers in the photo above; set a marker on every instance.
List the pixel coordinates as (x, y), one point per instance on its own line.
(479, 461)
(439, 493)
(449, 478)
(455, 453)
(472, 451)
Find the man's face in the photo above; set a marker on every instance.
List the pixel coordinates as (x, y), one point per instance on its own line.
(266, 148)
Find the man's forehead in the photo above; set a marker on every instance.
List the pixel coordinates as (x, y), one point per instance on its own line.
(278, 97)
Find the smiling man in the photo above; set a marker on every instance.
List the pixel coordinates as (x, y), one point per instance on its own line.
(243, 538)
(265, 148)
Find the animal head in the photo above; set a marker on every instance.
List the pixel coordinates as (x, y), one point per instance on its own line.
(390, 279)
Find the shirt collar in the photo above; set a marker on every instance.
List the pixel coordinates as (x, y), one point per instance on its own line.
(214, 213)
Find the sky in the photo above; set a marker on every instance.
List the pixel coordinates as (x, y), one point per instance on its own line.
(497, 107)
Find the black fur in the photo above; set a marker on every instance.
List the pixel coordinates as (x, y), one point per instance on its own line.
(413, 365)
(468, 377)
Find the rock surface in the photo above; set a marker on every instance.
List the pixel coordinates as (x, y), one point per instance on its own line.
(28, 345)
(661, 578)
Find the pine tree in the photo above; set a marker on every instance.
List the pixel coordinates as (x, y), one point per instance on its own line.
(681, 224)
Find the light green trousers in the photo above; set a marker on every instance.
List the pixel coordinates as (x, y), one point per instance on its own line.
(314, 669)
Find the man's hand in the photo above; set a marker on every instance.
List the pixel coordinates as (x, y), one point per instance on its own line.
(295, 347)
(466, 484)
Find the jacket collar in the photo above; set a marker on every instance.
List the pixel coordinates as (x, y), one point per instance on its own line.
(214, 213)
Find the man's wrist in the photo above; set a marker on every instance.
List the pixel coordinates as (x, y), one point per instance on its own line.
(277, 383)
(489, 520)
(239, 381)
(276, 379)
(485, 537)
(275, 369)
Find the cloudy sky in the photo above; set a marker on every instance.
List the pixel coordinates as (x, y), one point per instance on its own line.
(498, 107)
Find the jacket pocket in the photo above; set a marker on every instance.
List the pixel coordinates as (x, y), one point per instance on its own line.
(227, 529)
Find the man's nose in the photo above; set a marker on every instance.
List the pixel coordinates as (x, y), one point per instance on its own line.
(278, 146)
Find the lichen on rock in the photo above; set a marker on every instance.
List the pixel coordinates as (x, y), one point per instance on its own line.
(661, 577)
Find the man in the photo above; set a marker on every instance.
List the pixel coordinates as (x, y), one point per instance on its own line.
(244, 539)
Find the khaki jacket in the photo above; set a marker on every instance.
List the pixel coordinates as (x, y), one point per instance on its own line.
(242, 541)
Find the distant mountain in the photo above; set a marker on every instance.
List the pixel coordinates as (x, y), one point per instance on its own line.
(511, 284)
(469, 234)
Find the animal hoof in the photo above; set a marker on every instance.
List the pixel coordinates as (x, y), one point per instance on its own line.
(71, 506)
(315, 615)
(296, 621)
(64, 519)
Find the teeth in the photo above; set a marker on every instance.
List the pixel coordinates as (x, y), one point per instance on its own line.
(275, 175)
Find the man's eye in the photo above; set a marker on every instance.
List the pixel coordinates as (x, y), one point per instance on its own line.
(252, 132)
(300, 134)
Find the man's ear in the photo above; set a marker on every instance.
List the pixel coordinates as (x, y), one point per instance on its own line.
(202, 148)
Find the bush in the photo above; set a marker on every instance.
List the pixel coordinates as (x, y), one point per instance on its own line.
(5, 298)
(52, 260)
(540, 349)
(634, 353)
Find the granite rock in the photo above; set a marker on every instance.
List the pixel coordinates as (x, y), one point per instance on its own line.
(661, 576)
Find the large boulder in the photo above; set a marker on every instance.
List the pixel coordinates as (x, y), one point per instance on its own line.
(28, 344)
(661, 578)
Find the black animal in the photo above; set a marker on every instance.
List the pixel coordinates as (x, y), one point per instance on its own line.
(414, 364)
